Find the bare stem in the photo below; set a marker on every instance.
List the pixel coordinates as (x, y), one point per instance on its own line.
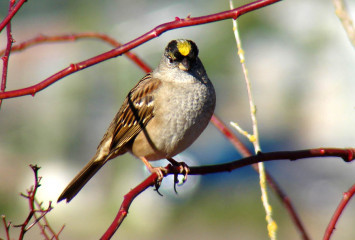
(11, 14)
(6, 57)
(343, 203)
(254, 138)
(46, 224)
(6, 226)
(127, 200)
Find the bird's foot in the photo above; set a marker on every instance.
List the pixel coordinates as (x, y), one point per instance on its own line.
(183, 169)
(160, 172)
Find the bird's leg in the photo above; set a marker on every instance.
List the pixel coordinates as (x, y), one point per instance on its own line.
(184, 169)
(158, 170)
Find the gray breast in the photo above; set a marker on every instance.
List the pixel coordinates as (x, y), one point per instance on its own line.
(188, 109)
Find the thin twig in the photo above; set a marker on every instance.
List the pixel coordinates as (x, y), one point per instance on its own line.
(347, 154)
(6, 56)
(42, 216)
(46, 224)
(36, 207)
(31, 193)
(11, 14)
(254, 138)
(343, 203)
(6, 226)
(345, 18)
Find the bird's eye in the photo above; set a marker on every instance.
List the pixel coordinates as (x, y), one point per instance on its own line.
(170, 60)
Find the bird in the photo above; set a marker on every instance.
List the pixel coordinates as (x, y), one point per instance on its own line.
(162, 115)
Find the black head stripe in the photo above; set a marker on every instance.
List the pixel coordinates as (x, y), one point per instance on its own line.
(173, 52)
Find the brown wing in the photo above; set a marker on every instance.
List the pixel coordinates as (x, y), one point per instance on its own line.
(134, 114)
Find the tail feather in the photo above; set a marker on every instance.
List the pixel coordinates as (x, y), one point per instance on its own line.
(81, 179)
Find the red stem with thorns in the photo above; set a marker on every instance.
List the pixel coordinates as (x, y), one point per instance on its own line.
(157, 31)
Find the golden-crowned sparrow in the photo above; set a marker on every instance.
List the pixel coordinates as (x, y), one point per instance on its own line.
(160, 117)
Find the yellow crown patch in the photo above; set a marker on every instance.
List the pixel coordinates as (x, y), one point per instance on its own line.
(184, 47)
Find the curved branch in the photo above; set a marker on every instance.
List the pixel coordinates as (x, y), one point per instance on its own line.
(178, 23)
(347, 155)
(127, 200)
(344, 201)
(74, 37)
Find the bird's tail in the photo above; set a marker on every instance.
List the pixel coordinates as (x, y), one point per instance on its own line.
(81, 179)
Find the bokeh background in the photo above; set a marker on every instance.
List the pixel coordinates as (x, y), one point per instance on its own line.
(302, 68)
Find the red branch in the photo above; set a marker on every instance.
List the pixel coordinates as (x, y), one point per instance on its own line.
(344, 201)
(6, 226)
(31, 199)
(347, 155)
(11, 14)
(127, 200)
(6, 57)
(178, 23)
(74, 37)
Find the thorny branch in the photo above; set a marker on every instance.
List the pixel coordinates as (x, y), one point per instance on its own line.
(343, 203)
(157, 31)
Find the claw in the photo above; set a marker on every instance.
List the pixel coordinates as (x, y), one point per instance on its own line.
(158, 170)
(176, 182)
(157, 186)
(184, 169)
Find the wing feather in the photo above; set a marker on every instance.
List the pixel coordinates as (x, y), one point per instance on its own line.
(134, 114)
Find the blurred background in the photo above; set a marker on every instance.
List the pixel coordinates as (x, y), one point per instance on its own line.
(302, 68)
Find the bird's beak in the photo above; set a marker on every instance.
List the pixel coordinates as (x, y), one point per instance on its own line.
(184, 65)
